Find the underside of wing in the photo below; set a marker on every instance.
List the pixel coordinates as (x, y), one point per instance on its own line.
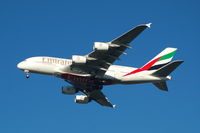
(130, 35)
(106, 53)
(100, 98)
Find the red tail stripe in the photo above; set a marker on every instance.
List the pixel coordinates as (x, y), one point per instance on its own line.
(146, 67)
(150, 64)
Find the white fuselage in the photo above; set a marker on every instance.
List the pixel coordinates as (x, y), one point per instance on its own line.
(59, 66)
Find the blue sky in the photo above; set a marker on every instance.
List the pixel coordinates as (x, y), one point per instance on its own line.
(62, 28)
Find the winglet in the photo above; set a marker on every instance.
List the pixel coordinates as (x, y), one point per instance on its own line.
(148, 25)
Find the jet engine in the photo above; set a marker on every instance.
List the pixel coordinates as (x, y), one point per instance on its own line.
(69, 90)
(100, 46)
(79, 59)
(82, 99)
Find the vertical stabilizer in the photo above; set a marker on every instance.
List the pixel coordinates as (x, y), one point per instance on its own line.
(161, 59)
(157, 62)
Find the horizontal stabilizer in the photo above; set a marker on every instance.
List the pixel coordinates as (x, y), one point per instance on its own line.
(167, 69)
(161, 86)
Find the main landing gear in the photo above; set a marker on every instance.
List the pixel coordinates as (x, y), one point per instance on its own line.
(27, 73)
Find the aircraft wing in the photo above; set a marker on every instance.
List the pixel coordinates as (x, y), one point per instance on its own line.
(100, 98)
(99, 61)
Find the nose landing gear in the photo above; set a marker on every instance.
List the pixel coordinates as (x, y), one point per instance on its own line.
(27, 73)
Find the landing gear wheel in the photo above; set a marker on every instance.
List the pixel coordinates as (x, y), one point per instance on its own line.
(27, 76)
(27, 73)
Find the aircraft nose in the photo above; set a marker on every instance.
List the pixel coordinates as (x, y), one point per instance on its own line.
(20, 65)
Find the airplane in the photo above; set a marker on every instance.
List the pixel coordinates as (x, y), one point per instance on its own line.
(90, 73)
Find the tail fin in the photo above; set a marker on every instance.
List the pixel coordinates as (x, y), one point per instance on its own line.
(161, 59)
(157, 62)
(167, 69)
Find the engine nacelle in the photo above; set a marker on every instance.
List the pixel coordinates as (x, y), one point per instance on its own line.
(82, 99)
(79, 59)
(69, 90)
(100, 46)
